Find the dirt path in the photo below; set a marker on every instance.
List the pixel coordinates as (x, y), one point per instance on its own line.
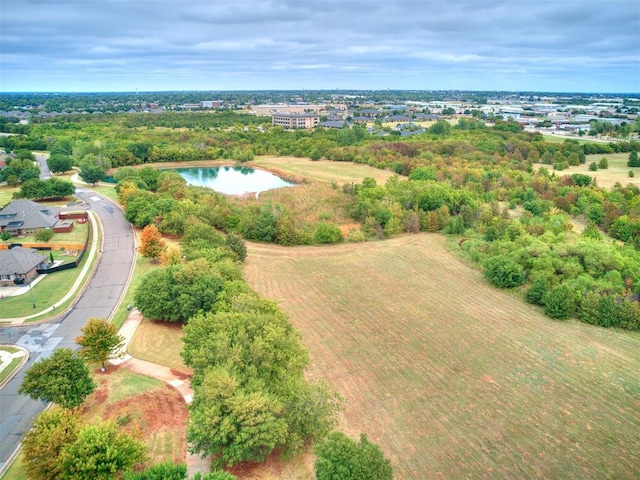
(194, 463)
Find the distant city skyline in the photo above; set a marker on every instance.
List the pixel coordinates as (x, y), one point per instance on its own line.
(577, 46)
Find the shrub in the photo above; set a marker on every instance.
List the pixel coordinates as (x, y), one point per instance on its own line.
(356, 235)
(559, 302)
(44, 235)
(603, 163)
(560, 165)
(631, 174)
(537, 291)
(343, 458)
(236, 245)
(503, 272)
(593, 166)
(328, 233)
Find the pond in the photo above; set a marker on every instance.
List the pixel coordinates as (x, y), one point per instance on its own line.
(232, 180)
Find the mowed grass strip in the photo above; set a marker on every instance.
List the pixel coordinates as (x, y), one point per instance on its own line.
(161, 343)
(451, 376)
(323, 170)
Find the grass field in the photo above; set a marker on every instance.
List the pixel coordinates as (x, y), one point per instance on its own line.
(159, 342)
(452, 377)
(617, 171)
(6, 194)
(323, 170)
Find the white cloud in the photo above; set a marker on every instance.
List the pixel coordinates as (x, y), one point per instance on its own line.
(279, 43)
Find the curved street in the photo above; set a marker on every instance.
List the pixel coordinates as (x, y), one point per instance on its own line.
(100, 299)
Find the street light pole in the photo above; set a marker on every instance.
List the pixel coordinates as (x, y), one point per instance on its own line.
(32, 300)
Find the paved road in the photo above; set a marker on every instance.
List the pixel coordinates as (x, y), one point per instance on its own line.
(44, 168)
(98, 300)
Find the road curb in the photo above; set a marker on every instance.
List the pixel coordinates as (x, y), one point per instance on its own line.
(17, 368)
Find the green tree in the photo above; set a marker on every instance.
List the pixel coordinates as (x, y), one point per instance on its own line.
(50, 433)
(215, 475)
(236, 245)
(231, 423)
(63, 379)
(99, 341)
(592, 231)
(160, 471)
(603, 163)
(62, 146)
(59, 163)
(634, 161)
(178, 292)
(328, 233)
(559, 302)
(256, 340)
(536, 291)
(503, 272)
(339, 457)
(100, 452)
(92, 173)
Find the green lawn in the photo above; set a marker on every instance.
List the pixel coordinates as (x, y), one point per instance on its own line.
(109, 192)
(562, 138)
(14, 363)
(15, 471)
(6, 194)
(48, 291)
(77, 235)
(143, 266)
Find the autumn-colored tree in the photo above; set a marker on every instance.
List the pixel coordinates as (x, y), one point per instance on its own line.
(151, 243)
(172, 255)
(99, 341)
(100, 452)
(126, 189)
(51, 432)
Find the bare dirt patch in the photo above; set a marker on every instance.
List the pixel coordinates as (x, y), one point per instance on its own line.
(452, 377)
(148, 408)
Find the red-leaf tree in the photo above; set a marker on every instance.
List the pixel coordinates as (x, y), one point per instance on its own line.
(151, 243)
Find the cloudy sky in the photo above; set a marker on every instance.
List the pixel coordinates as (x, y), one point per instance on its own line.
(149, 45)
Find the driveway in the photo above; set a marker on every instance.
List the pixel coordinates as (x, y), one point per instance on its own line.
(44, 168)
(99, 299)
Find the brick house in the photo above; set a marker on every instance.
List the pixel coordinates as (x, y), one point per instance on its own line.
(19, 265)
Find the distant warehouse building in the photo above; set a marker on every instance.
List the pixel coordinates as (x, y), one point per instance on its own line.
(296, 120)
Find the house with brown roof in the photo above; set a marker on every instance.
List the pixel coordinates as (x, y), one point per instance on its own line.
(19, 265)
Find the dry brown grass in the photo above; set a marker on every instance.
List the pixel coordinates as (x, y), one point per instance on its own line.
(323, 170)
(618, 172)
(452, 377)
(144, 407)
(312, 202)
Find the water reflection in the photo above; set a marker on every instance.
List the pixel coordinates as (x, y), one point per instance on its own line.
(232, 180)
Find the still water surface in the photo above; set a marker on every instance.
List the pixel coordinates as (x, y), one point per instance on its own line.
(232, 180)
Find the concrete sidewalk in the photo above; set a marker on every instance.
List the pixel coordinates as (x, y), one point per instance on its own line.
(77, 285)
(194, 462)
